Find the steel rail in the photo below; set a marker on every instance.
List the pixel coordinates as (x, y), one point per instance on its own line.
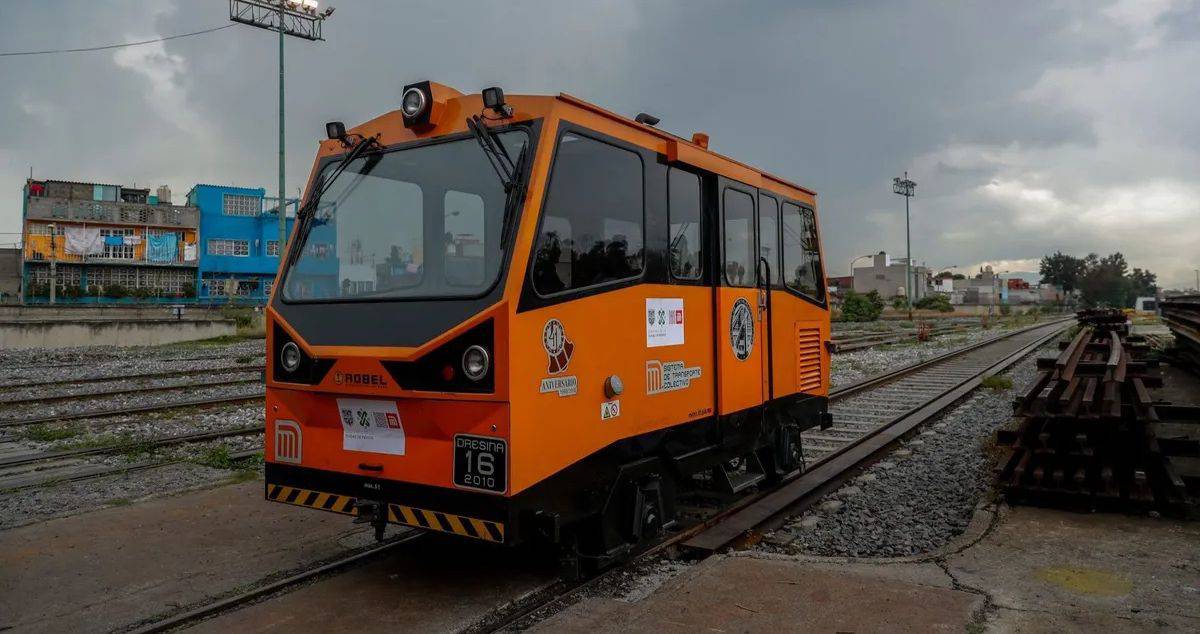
(151, 443)
(144, 375)
(119, 470)
(237, 600)
(141, 409)
(136, 390)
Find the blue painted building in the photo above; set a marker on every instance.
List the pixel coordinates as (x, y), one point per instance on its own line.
(239, 242)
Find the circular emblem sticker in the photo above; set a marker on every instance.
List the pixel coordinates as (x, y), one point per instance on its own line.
(741, 329)
(558, 347)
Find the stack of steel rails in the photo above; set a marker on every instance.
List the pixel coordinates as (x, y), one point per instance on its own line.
(1090, 436)
(1182, 314)
(1109, 319)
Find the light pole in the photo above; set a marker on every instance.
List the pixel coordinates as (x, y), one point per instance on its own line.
(908, 189)
(1198, 280)
(298, 18)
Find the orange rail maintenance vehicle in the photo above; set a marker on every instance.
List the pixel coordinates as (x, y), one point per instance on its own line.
(529, 319)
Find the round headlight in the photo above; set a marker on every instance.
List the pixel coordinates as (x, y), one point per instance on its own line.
(413, 102)
(475, 363)
(289, 356)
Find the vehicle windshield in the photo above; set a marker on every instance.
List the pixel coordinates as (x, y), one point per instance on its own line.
(423, 222)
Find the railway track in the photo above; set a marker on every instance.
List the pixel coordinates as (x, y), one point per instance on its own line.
(898, 401)
(142, 375)
(54, 398)
(20, 469)
(139, 409)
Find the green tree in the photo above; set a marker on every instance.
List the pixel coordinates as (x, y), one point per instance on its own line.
(1142, 283)
(1062, 270)
(1105, 281)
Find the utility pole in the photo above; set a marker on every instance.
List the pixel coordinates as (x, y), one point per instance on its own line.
(908, 189)
(297, 18)
(53, 265)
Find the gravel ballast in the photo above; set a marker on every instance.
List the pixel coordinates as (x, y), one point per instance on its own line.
(918, 497)
(851, 367)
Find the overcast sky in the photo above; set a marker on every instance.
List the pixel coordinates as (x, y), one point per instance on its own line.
(1029, 127)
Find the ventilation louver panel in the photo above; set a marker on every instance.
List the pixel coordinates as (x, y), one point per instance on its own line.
(808, 361)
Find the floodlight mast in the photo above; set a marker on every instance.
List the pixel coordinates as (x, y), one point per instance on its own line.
(298, 18)
(908, 189)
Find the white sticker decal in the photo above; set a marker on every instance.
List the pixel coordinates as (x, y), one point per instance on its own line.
(669, 376)
(610, 409)
(370, 425)
(664, 322)
(289, 445)
(562, 385)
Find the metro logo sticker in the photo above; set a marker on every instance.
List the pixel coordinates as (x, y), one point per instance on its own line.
(670, 376)
(371, 426)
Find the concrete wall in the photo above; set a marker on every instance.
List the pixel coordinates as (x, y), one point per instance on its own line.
(108, 332)
(102, 312)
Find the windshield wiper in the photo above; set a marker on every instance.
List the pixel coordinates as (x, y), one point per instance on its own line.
(304, 215)
(496, 154)
(510, 172)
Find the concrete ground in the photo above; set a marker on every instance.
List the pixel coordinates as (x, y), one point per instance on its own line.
(100, 571)
(1032, 570)
(110, 569)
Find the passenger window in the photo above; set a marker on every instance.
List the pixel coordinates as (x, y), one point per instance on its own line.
(465, 239)
(801, 251)
(683, 195)
(739, 238)
(592, 226)
(768, 237)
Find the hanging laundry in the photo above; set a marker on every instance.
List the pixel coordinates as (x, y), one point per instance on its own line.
(132, 240)
(83, 240)
(189, 252)
(164, 248)
(113, 241)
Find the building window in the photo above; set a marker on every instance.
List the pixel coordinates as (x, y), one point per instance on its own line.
(239, 248)
(683, 195)
(238, 205)
(122, 251)
(273, 248)
(592, 226)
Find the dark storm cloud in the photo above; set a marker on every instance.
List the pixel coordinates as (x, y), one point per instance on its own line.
(1005, 113)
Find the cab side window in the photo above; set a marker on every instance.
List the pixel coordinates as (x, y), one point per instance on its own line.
(802, 251)
(592, 224)
(768, 237)
(683, 200)
(738, 208)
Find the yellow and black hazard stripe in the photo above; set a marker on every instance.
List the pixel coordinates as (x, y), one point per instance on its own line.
(344, 504)
(446, 523)
(397, 513)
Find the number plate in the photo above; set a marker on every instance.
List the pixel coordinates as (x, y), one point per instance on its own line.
(481, 463)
